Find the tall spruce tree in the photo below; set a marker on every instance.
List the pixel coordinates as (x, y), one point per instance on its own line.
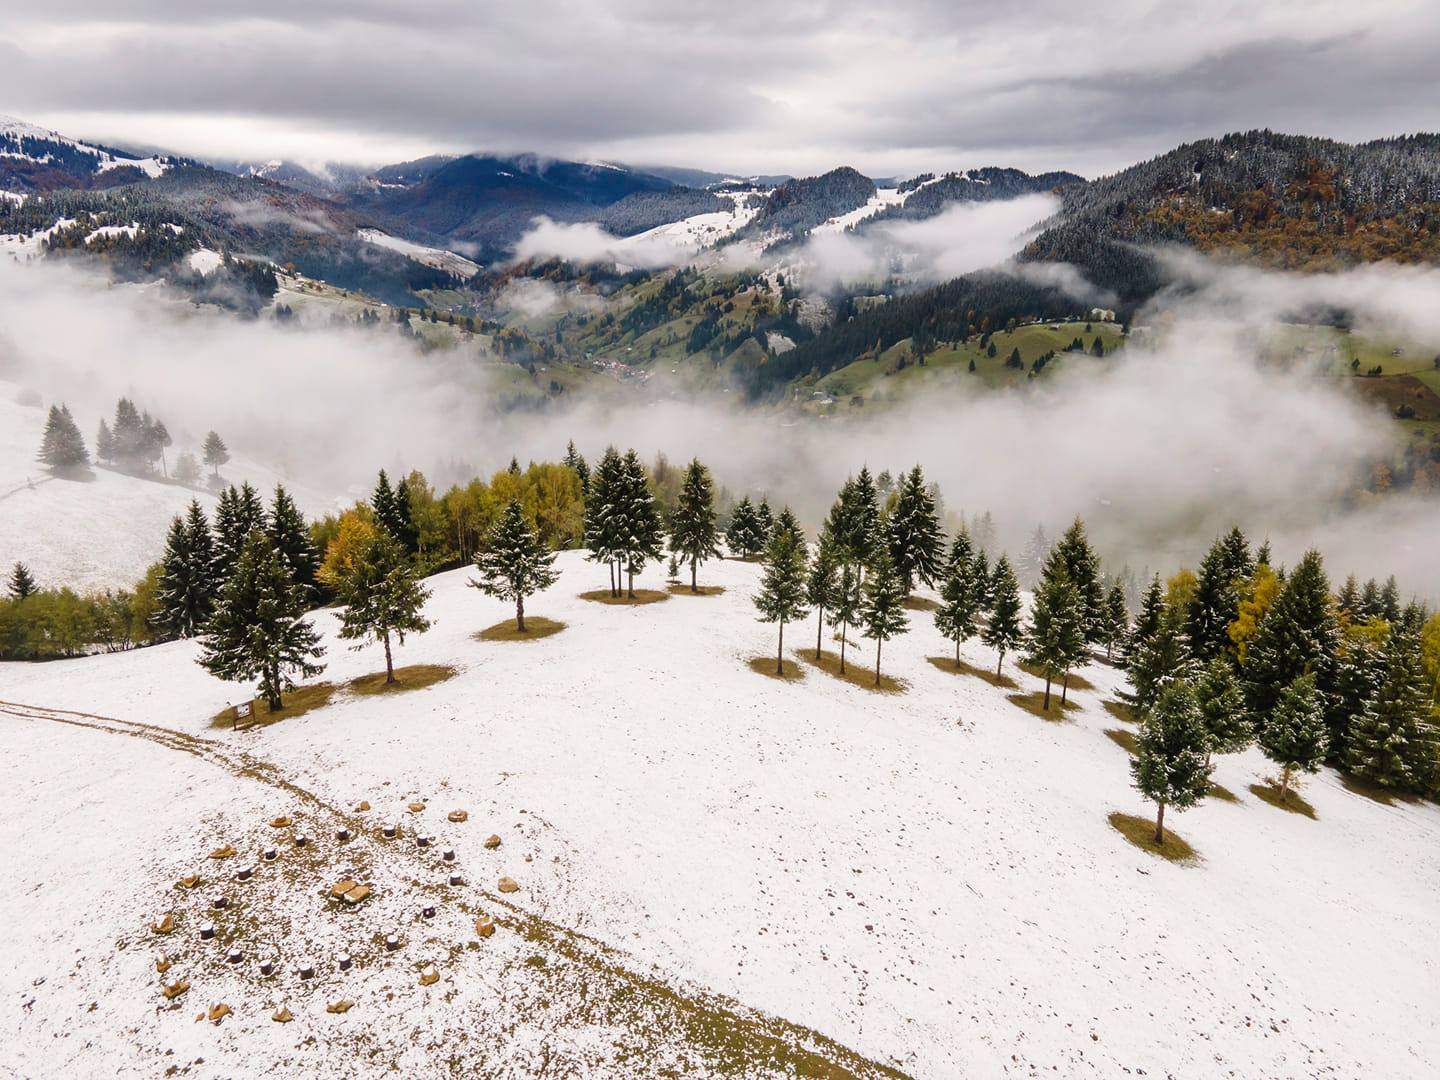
(640, 533)
(1359, 665)
(781, 598)
(381, 596)
(603, 519)
(986, 579)
(257, 630)
(882, 611)
(214, 453)
(1222, 707)
(104, 443)
(786, 521)
(1147, 622)
(1171, 766)
(1292, 733)
(62, 447)
(238, 514)
(913, 533)
(1393, 742)
(847, 603)
(1214, 605)
(764, 521)
(1299, 634)
(746, 537)
(866, 510)
(1082, 566)
(1161, 659)
(291, 537)
(514, 563)
(576, 461)
(1003, 631)
(1056, 640)
(958, 617)
(22, 584)
(693, 535)
(822, 582)
(185, 597)
(1117, 619)
(1033, 558)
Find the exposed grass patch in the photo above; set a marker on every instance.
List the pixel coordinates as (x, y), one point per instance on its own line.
(1077, 681)
(765, 665)
(855, 674)
(920, 603)
(1374, 792)
(642, 596)
(414, 677)
(536, 627)
(1141, 832)
(1034, 703)
(1119, 710)
(1122, 737)
(1292, 802)
(679, 588)
(947, 663)
(296, 703)
(1223, 793)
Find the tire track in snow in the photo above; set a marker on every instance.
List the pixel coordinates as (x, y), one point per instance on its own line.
(732, 1037)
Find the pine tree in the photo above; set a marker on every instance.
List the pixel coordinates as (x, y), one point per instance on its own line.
(745, 536)
(214, 453)
(1292, 733)
(62, 448)
(1222, 707)
(257, 630)
(1389, 599)
(1003, 631)
(1082, 566)
(1170, 765)
(22, 584)
(514, 563)
(913, 530)
(1159, 660)
(764, 521)
(788, 522)
(1147, 623)
(602, 514)
(782, 587)
(1033, 558)
(574, 460)
(1359, 666)
(160, 437)
(1237, 554)
(1393, 741)
(381, 596)
(104, 443)
(1055, 640)
(985, 580)
(693, 526)
(1117, 619)
(1214, 606)
(404, 524)
(958, 617)
(882, 611)
(822, 583)
(1297, 635)
(639, 532)
(865, 508)
(292, 539)
(848, 599)
(186, 592)
(1349, 599)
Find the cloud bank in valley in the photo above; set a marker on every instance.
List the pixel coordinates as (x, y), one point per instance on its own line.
(1159, 448)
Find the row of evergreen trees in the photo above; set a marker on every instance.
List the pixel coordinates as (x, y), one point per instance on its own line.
(135, 443)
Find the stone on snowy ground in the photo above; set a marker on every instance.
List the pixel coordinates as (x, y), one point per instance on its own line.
(492, 841)
(282, 1015)
(415, 807)
(357, 894)
(508, 885)
(485, 926)
(164, 924)
(281, 822)
(340, 888)
(458, 816)
(429, 977)
(224, 852)
(344, 1005)
(175, 989)
(218, 1013)
(189, 881)
(361, 806)
(162, 964)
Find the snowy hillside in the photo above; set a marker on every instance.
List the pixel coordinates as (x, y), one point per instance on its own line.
(25, 142)
(717, 871)
(98, 533)
(438, 258)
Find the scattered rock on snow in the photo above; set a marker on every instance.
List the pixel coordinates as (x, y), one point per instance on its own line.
(282, 1015)
(415, 807)
(344, 1005)
(429, 977)
(281, 822)
(357, 894)
(361, 806)
(508, 885)
(492, 841)
(164, 924)
(218, 1013)
(175, 989)
(484, 926)
(189, 881)
(458, 816)
(224, 852)
(340, 888)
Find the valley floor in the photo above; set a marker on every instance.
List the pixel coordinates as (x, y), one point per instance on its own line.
(719, 872)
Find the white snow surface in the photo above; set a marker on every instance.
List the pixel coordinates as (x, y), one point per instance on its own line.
(696, 232)
(927, 877)
(150, 166)
(204, 260)
(883, 197)
(439, 258)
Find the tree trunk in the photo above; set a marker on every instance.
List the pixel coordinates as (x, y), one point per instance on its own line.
(1160, 824)
(1285, 783)
(844, 627)
(274, 700)
(389, 663)
(1046, 704)
(1064, 689)
(613, 591)
(878, 643)
(520, 614)
(819, 630)
(1000, 663)
(780, 651)
(630, 582)
(694, 571)
(957, 654)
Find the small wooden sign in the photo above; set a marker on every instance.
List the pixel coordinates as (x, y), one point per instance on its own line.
(244, 712)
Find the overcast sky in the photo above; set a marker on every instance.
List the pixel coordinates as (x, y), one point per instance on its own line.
(742, 85)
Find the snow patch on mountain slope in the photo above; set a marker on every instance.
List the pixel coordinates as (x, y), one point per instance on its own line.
(697, 232)
(205, 261)
(439, 258)
(24, 248)
(927, 877)
(104, 160)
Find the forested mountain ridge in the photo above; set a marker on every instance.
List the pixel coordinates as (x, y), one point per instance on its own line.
(1283, 201)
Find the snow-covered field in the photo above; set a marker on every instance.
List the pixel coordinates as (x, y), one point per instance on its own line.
(926, 878)
(698, 231)
(438, 258)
